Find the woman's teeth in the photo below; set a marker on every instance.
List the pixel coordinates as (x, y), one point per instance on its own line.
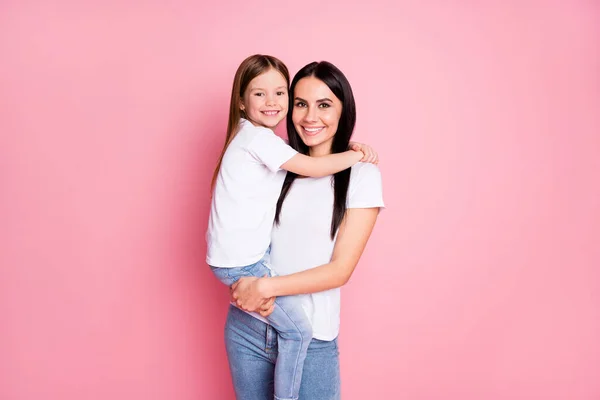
(312, 131)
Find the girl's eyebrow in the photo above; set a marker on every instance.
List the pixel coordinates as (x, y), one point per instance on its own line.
(277, 88)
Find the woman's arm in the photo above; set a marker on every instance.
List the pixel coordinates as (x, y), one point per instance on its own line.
(354, 232)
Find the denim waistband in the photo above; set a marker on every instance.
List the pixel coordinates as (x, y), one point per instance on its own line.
(254, 327)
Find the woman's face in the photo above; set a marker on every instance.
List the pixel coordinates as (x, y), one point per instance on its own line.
(316, 114)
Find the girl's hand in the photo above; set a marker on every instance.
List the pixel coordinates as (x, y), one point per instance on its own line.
(248, 293)
(370, 153)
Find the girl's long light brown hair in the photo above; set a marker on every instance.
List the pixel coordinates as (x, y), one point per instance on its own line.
(249, 69)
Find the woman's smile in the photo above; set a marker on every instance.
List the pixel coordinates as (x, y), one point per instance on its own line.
(313, 130)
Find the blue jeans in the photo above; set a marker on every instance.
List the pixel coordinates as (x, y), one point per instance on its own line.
(252, 351)
(292, 325)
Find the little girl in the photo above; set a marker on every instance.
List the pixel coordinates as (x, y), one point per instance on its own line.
(247, 182)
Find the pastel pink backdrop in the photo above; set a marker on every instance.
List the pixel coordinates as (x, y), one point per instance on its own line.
(481, 280)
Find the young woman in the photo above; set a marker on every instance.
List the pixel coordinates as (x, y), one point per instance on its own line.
(322, 227)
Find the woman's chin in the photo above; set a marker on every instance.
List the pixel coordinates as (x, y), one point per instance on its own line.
(312, 141)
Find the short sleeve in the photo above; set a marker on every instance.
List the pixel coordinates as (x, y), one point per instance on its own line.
(270, 149)
(365, 189)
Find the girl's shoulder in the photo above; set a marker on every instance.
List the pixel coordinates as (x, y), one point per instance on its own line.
(248, 127)
(249, 135)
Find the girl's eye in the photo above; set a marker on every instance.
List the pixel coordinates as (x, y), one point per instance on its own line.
(258, 94)
(280, 93)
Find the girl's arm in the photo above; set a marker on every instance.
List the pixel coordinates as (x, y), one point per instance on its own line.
(317, 167)
(370, 155)
(369, 152)
(251, 293)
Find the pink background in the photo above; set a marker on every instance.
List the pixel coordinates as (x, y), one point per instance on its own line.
(481, 280)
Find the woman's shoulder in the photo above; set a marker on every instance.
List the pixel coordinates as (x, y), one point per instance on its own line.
(365, 171)
(366, 189)
(365, 181)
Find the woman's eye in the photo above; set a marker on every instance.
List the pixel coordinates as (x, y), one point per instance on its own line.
(300, 104)
(324, 105)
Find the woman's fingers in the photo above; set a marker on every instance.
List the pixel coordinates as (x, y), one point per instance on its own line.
(232, 295)
(268, 304)
(267, 308)
(232, 290)
(266, 313)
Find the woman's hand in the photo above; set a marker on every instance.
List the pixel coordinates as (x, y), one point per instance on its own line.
(248, 294)
(265, 310)
(370, 153)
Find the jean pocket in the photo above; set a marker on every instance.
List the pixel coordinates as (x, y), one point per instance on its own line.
(258, 269)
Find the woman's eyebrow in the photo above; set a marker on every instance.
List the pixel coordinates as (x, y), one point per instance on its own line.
(318, 101)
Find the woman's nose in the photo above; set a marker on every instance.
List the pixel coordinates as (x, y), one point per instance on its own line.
(311, 114)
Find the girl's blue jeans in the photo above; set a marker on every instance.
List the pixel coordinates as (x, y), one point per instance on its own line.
(292, 325)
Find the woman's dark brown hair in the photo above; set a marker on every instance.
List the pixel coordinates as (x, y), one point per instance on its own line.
(339, 85)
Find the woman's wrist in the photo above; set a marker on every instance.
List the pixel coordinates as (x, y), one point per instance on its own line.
(265, 287)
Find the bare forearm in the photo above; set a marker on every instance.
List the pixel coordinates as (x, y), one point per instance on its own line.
(334, 163)
(324, 165)
(351, 241)
(312, 280)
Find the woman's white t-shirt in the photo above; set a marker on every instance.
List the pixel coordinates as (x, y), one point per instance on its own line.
(302, 239)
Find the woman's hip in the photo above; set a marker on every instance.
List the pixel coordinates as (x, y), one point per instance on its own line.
(252, 352)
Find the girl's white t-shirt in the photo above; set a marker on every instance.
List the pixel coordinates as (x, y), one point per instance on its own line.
(245, 196)
(302, 239)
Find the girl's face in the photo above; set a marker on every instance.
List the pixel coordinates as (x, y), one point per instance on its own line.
(316, 114)
(265, 100)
